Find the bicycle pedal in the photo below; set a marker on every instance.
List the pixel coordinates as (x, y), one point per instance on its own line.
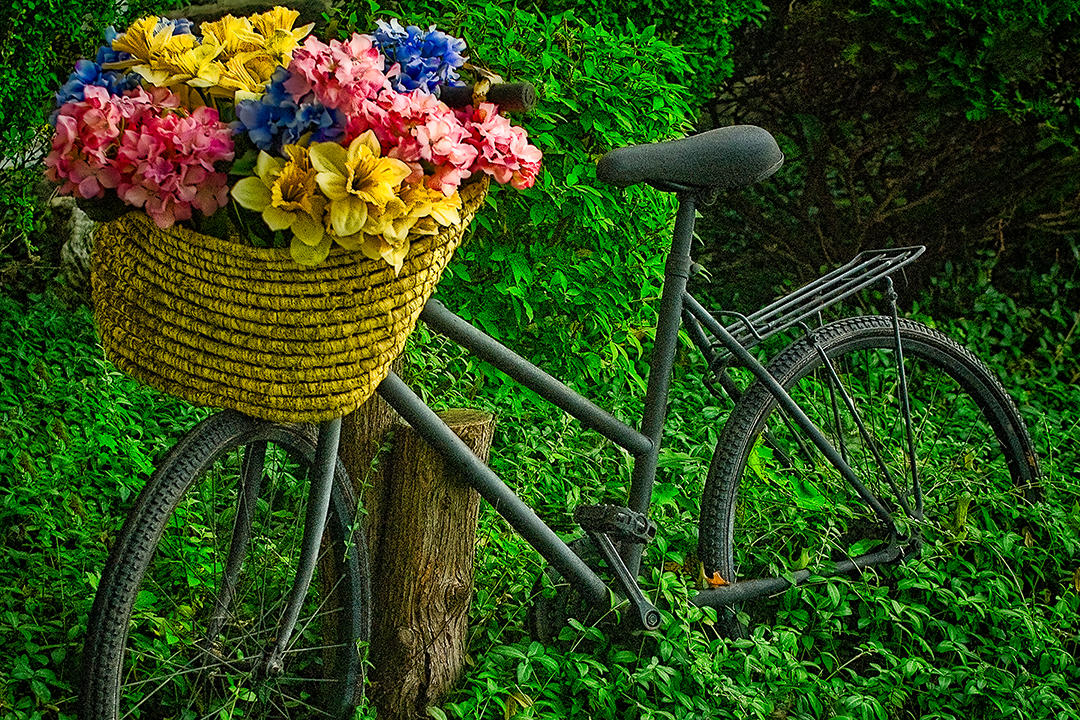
(617, 522)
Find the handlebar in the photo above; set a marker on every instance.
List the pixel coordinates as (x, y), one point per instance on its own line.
(514, 97)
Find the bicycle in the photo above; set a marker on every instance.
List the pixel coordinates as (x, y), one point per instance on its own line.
(876, 428)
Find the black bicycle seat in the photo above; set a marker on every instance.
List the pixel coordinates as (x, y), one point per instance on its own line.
(728, 157)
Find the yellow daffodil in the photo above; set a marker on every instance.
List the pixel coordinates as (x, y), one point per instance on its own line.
(276, 26)
(354, 179)
(197, 66)
(245, 76)
(445, 210)
(146, 43)
(286, 193)
(233, 35)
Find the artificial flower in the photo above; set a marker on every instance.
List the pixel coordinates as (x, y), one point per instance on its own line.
(427, 59)
(276, 119)
(196, 66)
(245, 75)
(354, 179)
(504, 151)
(287, 195)
(232, 35)
(141, 145)
(276, 26)
(340, 75)
(148, 39)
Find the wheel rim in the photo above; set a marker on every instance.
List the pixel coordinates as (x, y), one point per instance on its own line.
(795, 511)
(194, 652)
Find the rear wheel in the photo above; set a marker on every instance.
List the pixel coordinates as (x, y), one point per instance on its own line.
(195, 587)
(773, 504)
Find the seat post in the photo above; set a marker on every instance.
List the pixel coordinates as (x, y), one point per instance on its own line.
(676, 273)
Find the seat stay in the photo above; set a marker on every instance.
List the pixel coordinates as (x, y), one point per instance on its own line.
(791, 408)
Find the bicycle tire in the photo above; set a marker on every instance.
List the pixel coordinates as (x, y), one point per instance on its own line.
(995, 453)
(149, 653)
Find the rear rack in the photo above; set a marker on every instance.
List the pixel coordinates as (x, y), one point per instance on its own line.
(862, 271)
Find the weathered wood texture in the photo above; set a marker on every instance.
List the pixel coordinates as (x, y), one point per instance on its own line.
(310, 10)
(422, 579)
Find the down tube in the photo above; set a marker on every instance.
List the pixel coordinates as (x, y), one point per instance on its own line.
(491, 487)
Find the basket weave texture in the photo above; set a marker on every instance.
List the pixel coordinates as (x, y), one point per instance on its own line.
(228, 325)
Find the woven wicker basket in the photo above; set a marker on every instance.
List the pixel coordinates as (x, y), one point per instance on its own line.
(227, 325)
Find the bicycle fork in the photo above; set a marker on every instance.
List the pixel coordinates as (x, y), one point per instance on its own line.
(272, 661)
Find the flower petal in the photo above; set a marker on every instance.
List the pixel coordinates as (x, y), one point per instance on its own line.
(268, 167)
(348, 215)
(329, 157)
(308, 229)
(305, 254)
(332, 184)
(251, 193)
(277, 218)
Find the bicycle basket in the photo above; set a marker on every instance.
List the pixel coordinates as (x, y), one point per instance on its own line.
(227, 325)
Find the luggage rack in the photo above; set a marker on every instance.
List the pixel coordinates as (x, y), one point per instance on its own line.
(863, 270)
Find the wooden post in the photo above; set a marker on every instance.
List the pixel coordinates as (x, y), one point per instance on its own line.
(422, 581)
(422, 538)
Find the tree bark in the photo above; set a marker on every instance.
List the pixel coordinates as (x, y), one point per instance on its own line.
(310, 10)
(422, 578)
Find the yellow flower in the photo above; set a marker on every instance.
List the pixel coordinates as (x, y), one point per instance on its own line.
(417, 210)
(431, 209)
(145, 43)
(234, 35)
(355, 179)
(286, 193)
(245, 76)
(275, 25)
(197, 66)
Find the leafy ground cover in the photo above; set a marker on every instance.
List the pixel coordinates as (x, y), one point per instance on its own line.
(77, 440)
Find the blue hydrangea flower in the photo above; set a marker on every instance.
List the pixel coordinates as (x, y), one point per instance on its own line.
(105, 53)
(277, 119)
(88, 72)
(427, 59)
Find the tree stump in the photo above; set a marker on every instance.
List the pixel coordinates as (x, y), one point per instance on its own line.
(422, 536)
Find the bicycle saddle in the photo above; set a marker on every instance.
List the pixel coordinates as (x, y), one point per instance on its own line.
(728, 157)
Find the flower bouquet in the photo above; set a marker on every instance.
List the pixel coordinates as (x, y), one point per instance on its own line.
(290, 203)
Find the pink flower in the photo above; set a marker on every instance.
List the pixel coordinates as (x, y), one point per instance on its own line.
(155, 155)
(504, 151)
(341, 75)
(421, 131)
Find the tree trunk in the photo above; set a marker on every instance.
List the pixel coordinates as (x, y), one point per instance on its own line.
(422, 577)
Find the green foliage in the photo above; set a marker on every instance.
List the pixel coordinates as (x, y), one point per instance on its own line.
(77, 441)
(707, 31)
(948, 124)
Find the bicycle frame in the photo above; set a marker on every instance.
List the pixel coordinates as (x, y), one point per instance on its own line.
(643, 445)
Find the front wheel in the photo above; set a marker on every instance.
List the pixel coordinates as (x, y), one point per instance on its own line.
(773, 504)
(194, 589)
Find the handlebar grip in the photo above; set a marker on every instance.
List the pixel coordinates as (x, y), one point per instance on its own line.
(515, 97)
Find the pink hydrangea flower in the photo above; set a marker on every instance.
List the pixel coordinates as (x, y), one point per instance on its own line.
(421, 131)
(341, 74)
(503, 150)
(156, 156)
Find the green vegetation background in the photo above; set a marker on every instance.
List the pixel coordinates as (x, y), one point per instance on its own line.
(904, 121)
